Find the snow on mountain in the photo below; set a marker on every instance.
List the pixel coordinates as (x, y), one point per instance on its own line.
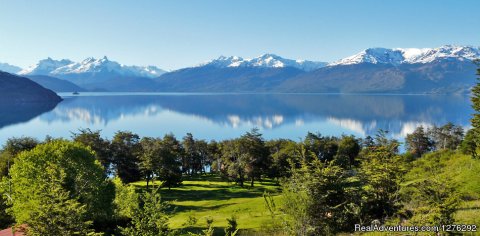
(45, 66)
(398, 56)
(9, 68)
(90, 65)
(265, 60)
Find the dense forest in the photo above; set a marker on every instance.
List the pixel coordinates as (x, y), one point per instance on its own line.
(86, 185)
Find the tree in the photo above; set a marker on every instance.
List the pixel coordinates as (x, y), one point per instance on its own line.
(126, 200)
(255, 154)
(169, 167)
(191, 160)
(149, 159)
(233, 161)
(150, 217)
(64, 169)
(418, 143)
(283, 154)
(98, 144)
(214, 156)
(11, 149)
(476, 106)
(325, 148)
(204, 154)
(381, 173)
(382, 140)
(57, 213)
(349, 147)
(316, 199)
(448, 136)
(125, 152)
(469, 144)
(433, 201)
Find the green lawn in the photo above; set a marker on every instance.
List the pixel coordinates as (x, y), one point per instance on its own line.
(213, 197)
(468, 213)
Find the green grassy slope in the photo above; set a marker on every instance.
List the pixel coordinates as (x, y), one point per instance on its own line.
(218, 199)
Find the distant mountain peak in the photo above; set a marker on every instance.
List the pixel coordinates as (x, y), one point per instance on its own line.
(45, 66)
(9, 68)
(65, 67)
(267, 60)
(398, 56)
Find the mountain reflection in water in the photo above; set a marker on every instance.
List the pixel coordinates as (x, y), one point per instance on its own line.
(220, 116)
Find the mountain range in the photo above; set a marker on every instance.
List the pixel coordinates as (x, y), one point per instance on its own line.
(446, 69)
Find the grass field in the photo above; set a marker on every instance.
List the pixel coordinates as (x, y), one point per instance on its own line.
(212, 197)
(468, 213)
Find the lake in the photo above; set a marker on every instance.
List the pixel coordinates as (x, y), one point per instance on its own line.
(223, 116)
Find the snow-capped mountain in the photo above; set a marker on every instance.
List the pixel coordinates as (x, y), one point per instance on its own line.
(45, 67)
(9, 68)
(62, 68)
(399, 56)
(265, 61)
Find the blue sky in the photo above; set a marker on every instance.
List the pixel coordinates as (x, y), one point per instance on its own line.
(178, 33)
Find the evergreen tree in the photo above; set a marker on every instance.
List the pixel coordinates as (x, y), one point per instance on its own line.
(476, 106)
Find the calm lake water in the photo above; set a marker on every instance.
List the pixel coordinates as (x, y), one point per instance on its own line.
(222, 116)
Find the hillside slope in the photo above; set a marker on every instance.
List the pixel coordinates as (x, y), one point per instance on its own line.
(19, 89)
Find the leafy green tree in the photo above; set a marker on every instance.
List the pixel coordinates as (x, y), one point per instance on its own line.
(126, 149)
(255, 155)
(283, 154)
(98, 144)
(190, 155)
(381, 173)
(82, 178)
(382, 140)
(233, 161)
(325, 148)
(126, 199)
(349, 146)
(150, 218)
(204, 154)
(169, 167)
(433, 202)
(149, 159)
(316, 199)
(56, 212)
(11, 149)
(195, 155)
(418, 143)
(448, 136)
(245, 157)
(214, 156)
